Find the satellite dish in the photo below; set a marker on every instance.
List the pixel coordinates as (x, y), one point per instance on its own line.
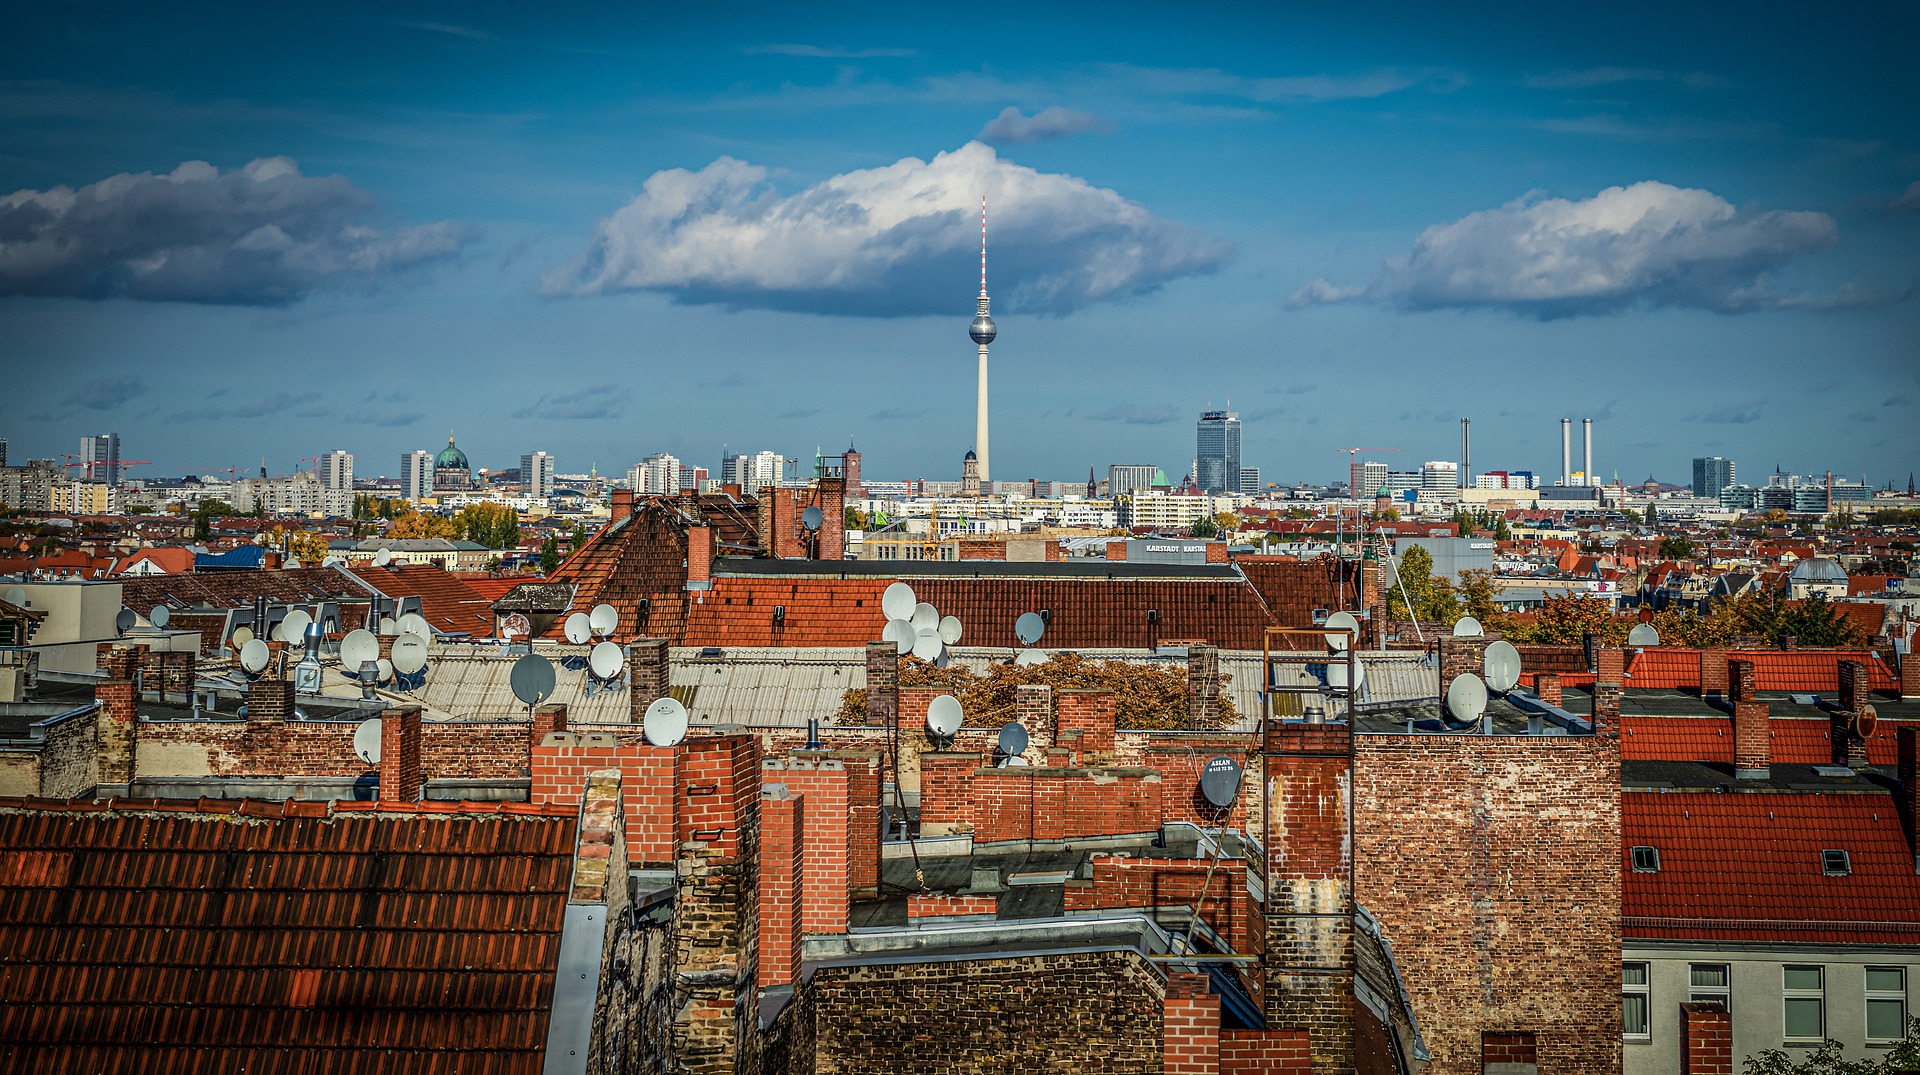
(1029, 627)
(409, 654)
(898, 602)
(241, 636)
(944, 716)
(293, 629)
(604, 619)
(16, 596)
(366, 741)
(1467, 698)
(901, 634)
(1029, 658)
(531, 679)
(812, 518)
(665, 723)
(358, 648)
(1013, 761)
(333, 561)
(1013, 738)
(1337, 675)
(383, 558)
(124, 620)
(926, 644)
(385, 669)
(254, 656)
(1220, 781)
(416, 625)
(387, 627)
(1643, 635)
(950, 629)
(925, 616)
(605, 660)
(516, 624)
(1502, 663)
(1468, 627)
(1865, 721)
(577, 629)
(159, 615)
(1337, 639)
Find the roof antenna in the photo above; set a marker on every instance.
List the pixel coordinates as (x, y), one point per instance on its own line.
(983, 246)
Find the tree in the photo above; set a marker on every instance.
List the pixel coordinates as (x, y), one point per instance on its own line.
(1204, 527)
(856, 519)
(1676, 548)
(416, 524)
(1226, 523)
(1432, 598)
(577, 538)
(494, 525)
(205, 512)
(549, 554)
(1685, 627)
(1565, 619)
(1830, 1059)
(1653, 514)
(309, 547)
(1478, 597)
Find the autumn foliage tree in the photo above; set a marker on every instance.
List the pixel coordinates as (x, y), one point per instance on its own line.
(1145, 695)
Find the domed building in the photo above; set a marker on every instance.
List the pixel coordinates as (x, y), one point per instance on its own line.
(1817, 575)
(451, 473)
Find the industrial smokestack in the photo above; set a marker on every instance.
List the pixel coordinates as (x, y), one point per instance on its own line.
(1466, 454)
(1586, 457)
(1566, 451)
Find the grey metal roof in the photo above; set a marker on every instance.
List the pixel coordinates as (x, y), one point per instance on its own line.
(1082, 568)
(766, 686)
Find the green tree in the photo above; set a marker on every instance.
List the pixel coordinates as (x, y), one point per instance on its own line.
(856, 519)
(1830, 1059)
(1478, 597)
(1433, 599)
(205, 512)
(1204, 527)
(1653, 514)
(496, 526)
(577, 538)
(549, 554)
(1676, 548)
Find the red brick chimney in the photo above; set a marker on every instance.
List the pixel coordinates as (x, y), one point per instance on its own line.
(547, 718)
(1190, 1026)
(1713, 672)
(782, 843)
(1752, 727)
(1706, 1040)
(831, 542)
(400, 776)
(649, 676)
(1854, 685)
(1308, 835)
(114, 731)
(1909, 676)
(883, 678)
(1547, 686)
(700, 550)
(622, 504)
(1909, 771)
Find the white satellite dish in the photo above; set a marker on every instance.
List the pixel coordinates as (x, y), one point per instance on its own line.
(383, 558)
(604, 619)
(1013, 761)
(387, 627)
(254, 656)
(409, 654)
(665, 723)
(293, 629)
(926, 644)
(1029, 627)
(944, 716)
(416, 625)
(333, 561)
(366, 741)
(900, 633)
(1502, 662)
(241, 636)
(1337, 675)
(1643, 635)
(950, 629)
(17, 596)
(1028, 658)
(1337, 638)
(1468, 627)
(386, 669)
(1467, 698)
(898, 602)
(577, 629)
(358, 648)
(159, 615)
(605, 660)
(925, 616)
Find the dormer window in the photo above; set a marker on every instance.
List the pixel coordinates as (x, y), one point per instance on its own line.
(1646, 860)
(1835, 863)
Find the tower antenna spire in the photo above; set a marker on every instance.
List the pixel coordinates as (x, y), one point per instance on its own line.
(983, 246)
(982, 331)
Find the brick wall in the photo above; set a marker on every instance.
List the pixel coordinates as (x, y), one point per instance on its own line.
(783, 836)
(1547, 686)
(826, 881)
(940, 905)
(1494, 864)
(400, 777)
(1144, 883)
(883, 677)
(1190, 1027)
(946, 800)
(1909, 676)
(1706, 1040)
(1309, 877)
(1086, 719)
(1264, 1052)
(1507, 1051)
(69, 759)
(268, 747)
(1180, 764)
(562, 761)
(115, 731)
(1023, 803)
(270, 699)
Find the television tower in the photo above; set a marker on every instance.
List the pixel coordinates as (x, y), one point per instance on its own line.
(983, 332)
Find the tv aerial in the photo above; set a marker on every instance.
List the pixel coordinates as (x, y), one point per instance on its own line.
(159, 616)
(1029, 627)
(665, 722)
(293, 629)
(409, 660)
(366, 741)
(1502, 664)
(1468, 627)
(1643, 635)
(1467, 698)
(1220, 781)
(944, 717)
(1337, 675)
(604, 620)
(1338, 639)
(415, 624)
(899, 602)
(240, 637)
(17, 595)
(1030, 658)
(927, 645)
(924, 616)
(532, 679)
(388, 628)
(812, 518)
(577, 629)
(1865, 721)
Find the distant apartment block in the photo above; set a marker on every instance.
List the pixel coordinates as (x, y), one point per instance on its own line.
(1711, 474)
(416, 475)
(336, 471)
(536, 473)
(100, 456)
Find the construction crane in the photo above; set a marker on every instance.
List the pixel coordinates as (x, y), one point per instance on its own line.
(1352, 453)
(74, 459)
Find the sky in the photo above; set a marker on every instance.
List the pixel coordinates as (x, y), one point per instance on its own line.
(250, 233)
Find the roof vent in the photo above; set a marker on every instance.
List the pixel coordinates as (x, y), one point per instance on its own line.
(1835, 863)
(1646, 860)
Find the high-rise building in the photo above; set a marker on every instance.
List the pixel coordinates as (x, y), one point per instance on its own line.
(982, 332)
(1217, 452)
(1711, 474)
(1365, 479)
(1440, 476)
(656, 475)
(336, 471)
(100, 456)
(416, 475)
(536, 473)
(1250, 481)
(1124, 478)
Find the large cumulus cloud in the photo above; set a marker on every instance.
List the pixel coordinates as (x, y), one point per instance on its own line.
(1647, 244)
(261, 235)
(889, 241)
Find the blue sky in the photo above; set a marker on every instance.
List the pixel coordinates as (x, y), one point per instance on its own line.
(267, 231)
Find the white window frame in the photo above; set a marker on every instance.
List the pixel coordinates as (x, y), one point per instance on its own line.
(1722, 995)
(1884, 995)
(1644, 990)
(1789, 994)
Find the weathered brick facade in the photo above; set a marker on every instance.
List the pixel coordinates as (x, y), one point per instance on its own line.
(1309, 878)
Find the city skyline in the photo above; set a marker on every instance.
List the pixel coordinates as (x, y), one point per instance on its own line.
(1205, 211)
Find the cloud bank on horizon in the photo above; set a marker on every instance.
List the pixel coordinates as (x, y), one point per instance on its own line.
(896, 240)
(261, 235)
(1649, 244)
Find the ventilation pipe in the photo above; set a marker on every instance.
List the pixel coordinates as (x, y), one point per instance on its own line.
(1566, 451)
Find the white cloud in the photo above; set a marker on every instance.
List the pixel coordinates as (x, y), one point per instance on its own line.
(1908, 201)
(1043, 126)
(261, 235)
(830, 52)
(1647, 244)
(887, 241)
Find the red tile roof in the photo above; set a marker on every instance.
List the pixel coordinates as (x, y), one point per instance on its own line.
(1293, 589)
(1795, 740)
(448, 604)
(1672, 668)
(237, 589)
(170, 559)
(645, 556)
(1748, 868)
(493, 587)
(142, 936)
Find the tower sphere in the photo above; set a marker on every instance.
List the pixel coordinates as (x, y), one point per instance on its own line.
(982, 329)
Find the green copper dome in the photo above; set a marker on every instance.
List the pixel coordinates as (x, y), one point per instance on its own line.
(451, 457)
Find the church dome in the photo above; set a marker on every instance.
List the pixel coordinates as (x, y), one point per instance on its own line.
(451, 456)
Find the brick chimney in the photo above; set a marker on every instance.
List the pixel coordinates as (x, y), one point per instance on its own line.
(400, 776)
(831, 542)
(622, 505)
(547, 718)
(782, 843)
(1606, 705)
(649, 677)
(700, 551)
(1854, 685)
(1909, 770)
(1308, 835)
(883, 679)
(270, 699)
(115, 730)
(1706, 1039)
(1459, 656)
(1612, 665)
(1190, 1026)
(1752, 729)
(1547, 686)
(1909, 675)
(1713, 672)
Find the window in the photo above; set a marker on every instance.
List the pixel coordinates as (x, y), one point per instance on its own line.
(1835, 863)
(1636, 1001)
(1710, 983)
(1886, 1003)
(1646, 860)
(1804, 997)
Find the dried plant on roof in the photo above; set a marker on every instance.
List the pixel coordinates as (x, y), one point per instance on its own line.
(1145, 695)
